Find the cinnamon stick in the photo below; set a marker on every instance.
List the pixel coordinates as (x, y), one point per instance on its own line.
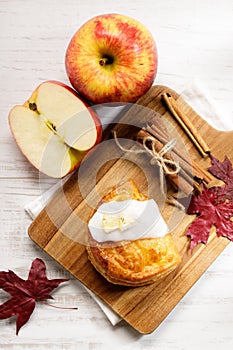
(204, 174)
(185, 123)
(189, 166)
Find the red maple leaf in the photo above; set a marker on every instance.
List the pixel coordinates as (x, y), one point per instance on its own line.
(25, 293)
(223, 171)
(211, 212)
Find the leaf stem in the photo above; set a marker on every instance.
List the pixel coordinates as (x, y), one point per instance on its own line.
(57, 307)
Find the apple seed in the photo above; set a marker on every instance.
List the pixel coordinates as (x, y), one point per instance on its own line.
(32, 106)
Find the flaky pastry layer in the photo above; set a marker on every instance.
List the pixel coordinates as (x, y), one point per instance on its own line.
(133, 263)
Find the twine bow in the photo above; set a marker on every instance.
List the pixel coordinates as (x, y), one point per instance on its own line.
(166, 166)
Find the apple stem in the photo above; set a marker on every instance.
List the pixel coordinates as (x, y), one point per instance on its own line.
(103, 61)
(108, 59)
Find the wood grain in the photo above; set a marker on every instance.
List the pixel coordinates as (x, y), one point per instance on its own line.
(60, 233)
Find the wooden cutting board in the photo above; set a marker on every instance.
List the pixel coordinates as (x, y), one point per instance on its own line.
(60, 229)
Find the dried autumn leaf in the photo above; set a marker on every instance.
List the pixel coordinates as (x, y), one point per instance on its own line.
(25, 293)
(223, 171)
(211, 212)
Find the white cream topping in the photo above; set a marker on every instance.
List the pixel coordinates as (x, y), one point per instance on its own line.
(113, 222)
(127, 220)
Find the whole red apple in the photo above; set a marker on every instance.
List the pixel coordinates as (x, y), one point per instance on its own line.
(112, 58)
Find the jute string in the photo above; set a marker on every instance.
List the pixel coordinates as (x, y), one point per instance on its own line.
(166, 166)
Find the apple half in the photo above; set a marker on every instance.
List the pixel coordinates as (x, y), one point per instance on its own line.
(55, 129)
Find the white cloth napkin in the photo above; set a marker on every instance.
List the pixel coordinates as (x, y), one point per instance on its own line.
(198, 98)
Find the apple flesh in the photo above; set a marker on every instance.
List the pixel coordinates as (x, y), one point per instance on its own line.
(55, 129)
(111, 58)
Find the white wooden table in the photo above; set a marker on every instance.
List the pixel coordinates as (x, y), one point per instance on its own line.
(194, 40)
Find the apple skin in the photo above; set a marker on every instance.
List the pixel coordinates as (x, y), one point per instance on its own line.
(76, 156)
(112, 58)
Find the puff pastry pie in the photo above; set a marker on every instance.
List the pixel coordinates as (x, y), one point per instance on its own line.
(130, 262)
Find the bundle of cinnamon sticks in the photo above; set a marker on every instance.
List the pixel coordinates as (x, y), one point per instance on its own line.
(191, 175)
